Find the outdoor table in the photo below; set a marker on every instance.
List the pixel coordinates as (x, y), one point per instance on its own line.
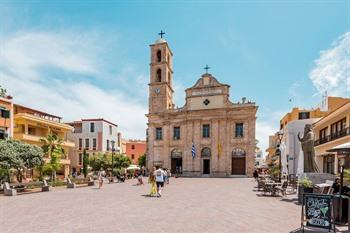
(271, 187)
(322, 186)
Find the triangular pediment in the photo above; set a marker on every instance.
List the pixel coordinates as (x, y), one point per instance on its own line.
(207, 80)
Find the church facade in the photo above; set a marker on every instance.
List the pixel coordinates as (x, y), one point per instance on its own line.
(208, 136)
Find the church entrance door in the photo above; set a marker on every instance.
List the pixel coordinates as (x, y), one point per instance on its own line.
(238, 161)
(238, 166)
(176, 165)
(206, 166)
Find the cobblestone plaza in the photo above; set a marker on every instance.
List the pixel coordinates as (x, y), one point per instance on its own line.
(187, 205)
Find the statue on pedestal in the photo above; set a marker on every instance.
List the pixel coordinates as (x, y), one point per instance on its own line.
(307, 145)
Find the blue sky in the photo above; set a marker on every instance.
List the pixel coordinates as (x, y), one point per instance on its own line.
(82, 59)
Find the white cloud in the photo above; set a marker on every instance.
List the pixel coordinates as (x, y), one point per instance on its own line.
(54, 72)
(331, 72)
(263, 130)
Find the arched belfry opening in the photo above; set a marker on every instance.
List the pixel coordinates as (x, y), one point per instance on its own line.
(159, 56)
(159, 75)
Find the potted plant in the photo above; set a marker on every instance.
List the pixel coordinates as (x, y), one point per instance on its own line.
(305, 186)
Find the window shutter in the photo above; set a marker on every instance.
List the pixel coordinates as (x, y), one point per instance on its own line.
(5, 113)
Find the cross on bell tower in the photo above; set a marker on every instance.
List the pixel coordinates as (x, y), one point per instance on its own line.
(161, 33)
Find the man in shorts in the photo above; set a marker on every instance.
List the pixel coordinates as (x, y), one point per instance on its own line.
(159, 174)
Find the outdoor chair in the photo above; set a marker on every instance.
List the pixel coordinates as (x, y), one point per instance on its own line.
(267, 188)
(330, 191)
(282, 188)
(45, 187)
(121, 178)
(70, 184)
(8, 191)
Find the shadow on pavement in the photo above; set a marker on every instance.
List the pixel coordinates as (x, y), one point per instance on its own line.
(147, 195)
(292, 200)
(315, 230)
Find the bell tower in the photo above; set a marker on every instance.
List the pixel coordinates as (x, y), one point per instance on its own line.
(161, 75)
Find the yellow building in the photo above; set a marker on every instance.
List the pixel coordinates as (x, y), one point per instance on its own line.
(330, 131)
(300, 114)
(31, 126)
(273, 142)
(331, 104)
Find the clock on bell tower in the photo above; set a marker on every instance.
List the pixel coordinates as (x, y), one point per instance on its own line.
(160, 86)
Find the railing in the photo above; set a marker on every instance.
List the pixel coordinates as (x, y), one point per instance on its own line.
(333, 136)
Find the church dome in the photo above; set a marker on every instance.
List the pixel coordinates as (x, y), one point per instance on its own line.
(160, 40)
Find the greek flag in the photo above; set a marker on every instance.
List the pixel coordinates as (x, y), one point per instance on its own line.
(193, 150)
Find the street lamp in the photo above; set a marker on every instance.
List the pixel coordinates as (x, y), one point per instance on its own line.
(280, 136)
(113, 150)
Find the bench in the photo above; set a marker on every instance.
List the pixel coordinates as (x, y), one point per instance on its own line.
(70, 184)
(8, 191)
(45, 187)
(91, 182)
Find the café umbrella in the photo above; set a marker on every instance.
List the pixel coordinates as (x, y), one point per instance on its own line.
(132, 167)
(341, 148)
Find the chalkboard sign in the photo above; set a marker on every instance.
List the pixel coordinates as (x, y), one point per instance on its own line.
(318, 210)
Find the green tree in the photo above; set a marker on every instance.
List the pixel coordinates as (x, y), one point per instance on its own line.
(104, 161)
(53, 150)
(19, 156)
(142, 160)
(85, 163)
(100, 160)
(121, 161)
(3, 92)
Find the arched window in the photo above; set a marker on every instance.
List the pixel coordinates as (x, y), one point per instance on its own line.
(176, 153)
(159, 75)
(159, 56)
(205, 152)
(238, 152)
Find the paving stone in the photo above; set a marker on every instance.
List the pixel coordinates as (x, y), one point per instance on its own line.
(187, 205)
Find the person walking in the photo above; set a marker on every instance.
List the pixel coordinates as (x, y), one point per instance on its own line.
(152, 181)
(139, 178)
(100, 176)
(159, 174)
(168, 176)
(256, 174)
(165, 175)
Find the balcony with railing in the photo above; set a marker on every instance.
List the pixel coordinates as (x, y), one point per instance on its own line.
(333, 136)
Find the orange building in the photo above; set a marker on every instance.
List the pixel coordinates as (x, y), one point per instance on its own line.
(134, 149)
(6, 117)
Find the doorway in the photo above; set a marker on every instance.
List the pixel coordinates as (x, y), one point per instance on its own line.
(238, 166)
(238, 162)
(206, 166)
(176, 165)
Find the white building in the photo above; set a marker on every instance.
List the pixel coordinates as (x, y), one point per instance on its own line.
(94, 135)
(290, 145)
(259, 159)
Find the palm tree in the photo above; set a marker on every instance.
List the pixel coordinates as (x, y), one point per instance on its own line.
(53, 150)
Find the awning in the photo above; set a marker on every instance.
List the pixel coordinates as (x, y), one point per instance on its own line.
(341, 148)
